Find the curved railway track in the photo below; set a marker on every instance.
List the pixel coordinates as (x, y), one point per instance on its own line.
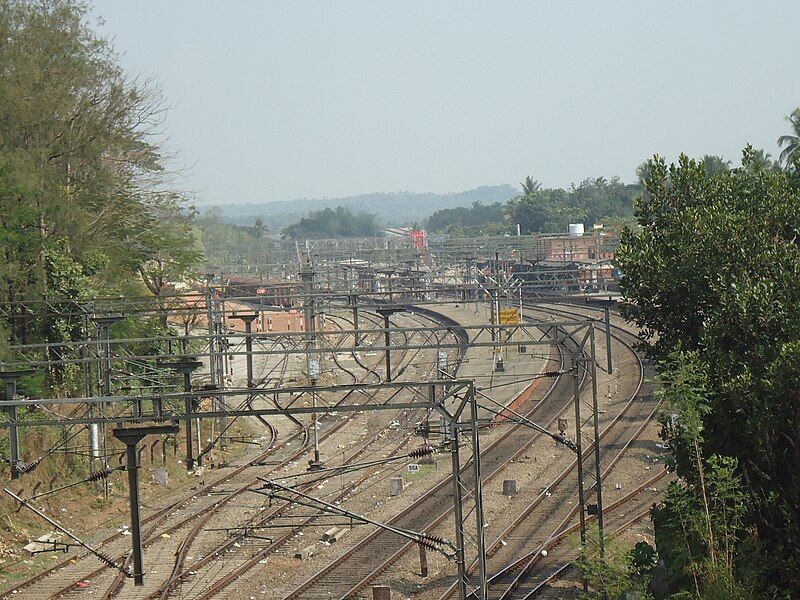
(517, 535)
(532, 572)
(267, 380)
(635, 510)
(160, 531)
(361, 564)
(514, 576)
(60, 579)
(231, 565)
(83, 567)
(352, 571)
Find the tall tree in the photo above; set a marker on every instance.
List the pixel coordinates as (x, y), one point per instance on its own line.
(87, 203)
(591, 201)
(530, 185)
(715, 271)
(714, 165)
(790, 155)
(332, 223)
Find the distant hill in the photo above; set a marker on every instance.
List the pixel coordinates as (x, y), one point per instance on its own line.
(391, 209)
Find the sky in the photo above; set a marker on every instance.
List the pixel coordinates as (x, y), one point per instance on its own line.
(283, 100)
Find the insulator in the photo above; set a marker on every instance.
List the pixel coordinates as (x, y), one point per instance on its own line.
(434, 538)
(421, 451)
(106, 559)
(431, 541)
(551, 373)
(30, 467)
(98, 475)
(208, 448)
(430, 544)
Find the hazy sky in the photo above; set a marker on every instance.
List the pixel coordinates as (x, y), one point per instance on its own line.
(276, 101)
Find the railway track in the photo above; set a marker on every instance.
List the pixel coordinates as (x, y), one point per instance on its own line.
(514, 577)
(204, 517)
(212, 582)
(508, 539)
(357, 567)
(532, 572)
(354, 570)
(367, 560)
(267, 380)
(60, 579)
(186, 543)
(218, 568)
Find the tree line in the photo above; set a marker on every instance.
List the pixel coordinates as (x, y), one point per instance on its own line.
(609, 202)
(333, 223)
(544, 210)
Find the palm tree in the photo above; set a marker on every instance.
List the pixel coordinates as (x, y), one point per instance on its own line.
(530, 185)
(791, 153)
(643, 173)
(761, 160)
(714, 165)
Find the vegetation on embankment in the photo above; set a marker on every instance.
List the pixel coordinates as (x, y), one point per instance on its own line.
(712, 279)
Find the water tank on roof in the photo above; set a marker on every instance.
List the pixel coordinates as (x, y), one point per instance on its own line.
(575, 229)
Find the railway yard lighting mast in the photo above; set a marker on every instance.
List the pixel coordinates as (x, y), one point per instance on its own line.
(312, 360)
(353, 302)
(596, 428)
(579, 452)
(185, 365)
(104, 324)
(606, 303)
(248, 343)
(589, 365)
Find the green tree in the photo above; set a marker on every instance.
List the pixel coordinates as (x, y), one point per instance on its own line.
(762, 161)
(222, 242)
(332, 223)
(544, 211)
(591, 201)
(714, 165)
(468, 219)
(790, 155)
(530, 185)
(713, 271)
(87, 205)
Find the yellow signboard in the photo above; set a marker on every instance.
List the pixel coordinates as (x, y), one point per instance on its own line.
(509, 316)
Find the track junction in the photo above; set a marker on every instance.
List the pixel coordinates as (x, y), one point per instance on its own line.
(451, 387)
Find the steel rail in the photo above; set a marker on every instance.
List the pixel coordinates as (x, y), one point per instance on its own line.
(569, 563)
(418, 506)
(497, 544)
(219, 584)
(206, 515)
(519, 577)
(157, 518)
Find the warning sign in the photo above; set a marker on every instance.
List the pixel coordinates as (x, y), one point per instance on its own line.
(509, 316)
